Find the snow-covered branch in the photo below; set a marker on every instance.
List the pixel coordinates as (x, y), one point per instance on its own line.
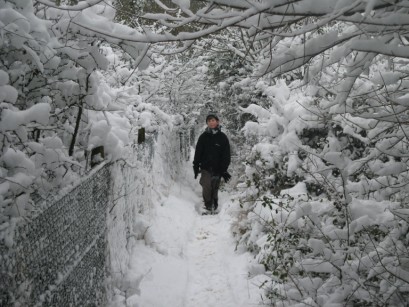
(83, 4)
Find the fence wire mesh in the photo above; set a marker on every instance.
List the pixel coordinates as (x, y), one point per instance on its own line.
(58, 256)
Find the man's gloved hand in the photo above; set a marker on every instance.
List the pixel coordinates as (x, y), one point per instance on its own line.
(226, 176)
(196, 171)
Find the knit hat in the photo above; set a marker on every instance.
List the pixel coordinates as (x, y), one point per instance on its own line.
(210, 116)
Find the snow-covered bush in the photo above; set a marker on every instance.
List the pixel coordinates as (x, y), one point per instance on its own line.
(65, 92)
(321, 207)
(314, 257)
(56, 103)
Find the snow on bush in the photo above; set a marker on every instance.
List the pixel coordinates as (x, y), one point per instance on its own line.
(322, 190)
(57, 103)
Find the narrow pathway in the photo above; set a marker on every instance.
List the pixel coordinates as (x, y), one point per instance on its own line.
(189, 260)
(216, 276)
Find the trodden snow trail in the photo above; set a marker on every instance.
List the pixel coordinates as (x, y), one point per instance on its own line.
(210, 273)
(189, 260)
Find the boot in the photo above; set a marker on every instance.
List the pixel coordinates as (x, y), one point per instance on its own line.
(208, 206)
(215, 204)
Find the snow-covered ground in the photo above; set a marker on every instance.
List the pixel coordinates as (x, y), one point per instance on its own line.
(186, 259)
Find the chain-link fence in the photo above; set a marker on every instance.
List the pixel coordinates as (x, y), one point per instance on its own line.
(65, 254)
(53, 250)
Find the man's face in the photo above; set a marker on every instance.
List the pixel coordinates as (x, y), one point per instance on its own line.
(212, 123)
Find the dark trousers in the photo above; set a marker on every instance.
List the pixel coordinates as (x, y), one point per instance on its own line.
(210, 185)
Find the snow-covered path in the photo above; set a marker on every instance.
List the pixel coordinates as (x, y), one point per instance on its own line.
(215, 277)
(189, 260)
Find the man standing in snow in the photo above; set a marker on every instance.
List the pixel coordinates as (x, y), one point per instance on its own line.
(212, 158)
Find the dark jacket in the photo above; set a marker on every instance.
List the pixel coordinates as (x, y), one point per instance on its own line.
(212, 152)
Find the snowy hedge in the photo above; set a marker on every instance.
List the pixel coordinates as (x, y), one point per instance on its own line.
(56, 104)
(323, 194)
